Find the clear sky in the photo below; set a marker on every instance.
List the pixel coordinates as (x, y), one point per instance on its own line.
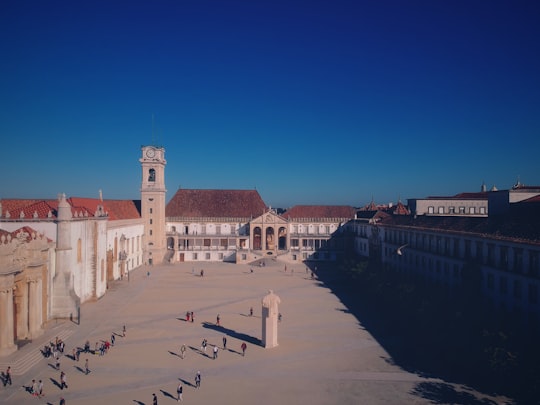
(309, 102)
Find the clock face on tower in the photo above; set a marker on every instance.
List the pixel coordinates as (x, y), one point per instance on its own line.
(150, 153)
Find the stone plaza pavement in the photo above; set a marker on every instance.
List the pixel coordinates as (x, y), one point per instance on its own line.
(324, 355)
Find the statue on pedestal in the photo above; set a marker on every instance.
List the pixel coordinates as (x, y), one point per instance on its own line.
(270, 319)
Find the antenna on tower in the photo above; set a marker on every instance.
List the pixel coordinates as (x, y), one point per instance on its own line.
(153, 139)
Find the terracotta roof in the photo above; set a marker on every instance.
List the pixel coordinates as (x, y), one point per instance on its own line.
(117, 209)
(29, 208)
(320, 211)
(400, 209)
(215, 203)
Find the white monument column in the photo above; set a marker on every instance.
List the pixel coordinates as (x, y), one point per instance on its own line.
(7, 343)
(270, 320)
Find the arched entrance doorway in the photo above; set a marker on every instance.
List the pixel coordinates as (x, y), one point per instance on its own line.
(270, 239)
(257, 240)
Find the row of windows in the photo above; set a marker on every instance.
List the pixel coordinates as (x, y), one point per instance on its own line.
(516, 287)
(461, 210)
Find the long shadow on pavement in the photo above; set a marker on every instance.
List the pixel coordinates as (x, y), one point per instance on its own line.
(232, 333)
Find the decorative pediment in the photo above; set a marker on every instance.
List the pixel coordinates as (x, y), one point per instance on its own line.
(270, 217)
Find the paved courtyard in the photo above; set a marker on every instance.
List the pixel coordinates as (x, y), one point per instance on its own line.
(324, 355)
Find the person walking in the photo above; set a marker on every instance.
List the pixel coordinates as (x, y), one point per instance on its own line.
(34, 388)
(251, 311)
(7, 378)
(217, 320)
(183, 351)
(124, 331)
(62, 401)
(215, 351)
(187, 316)
(113, 338)
(224, 342)
(40, 389)
(154, 399)
(192, 317)
(198, 380)
(86, 369)
(63, 382)
(179, 391)
(243, 347)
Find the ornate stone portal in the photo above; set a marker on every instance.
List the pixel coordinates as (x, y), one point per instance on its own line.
(270, 314)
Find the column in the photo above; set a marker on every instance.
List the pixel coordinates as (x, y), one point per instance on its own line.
(21, 308)
(7, 343)
(34, 308)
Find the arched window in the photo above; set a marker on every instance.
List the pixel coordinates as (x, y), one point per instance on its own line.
(152, 175)
(79, 251)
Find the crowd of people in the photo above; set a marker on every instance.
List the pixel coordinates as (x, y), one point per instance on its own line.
(55, 350)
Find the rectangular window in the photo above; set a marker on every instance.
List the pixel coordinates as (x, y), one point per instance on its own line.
(207, 256)
(452, 210)
(472, 211)
(483, 210)
(195, 257)
(430, 210)
(517, 289)
(207, 242)
(533, 294)
(462, 210)
(244, 256)
(441, 210)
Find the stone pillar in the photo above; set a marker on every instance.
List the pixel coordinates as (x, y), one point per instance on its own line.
(7, 342)
(270, 314)
(34, 308)
(21, 308)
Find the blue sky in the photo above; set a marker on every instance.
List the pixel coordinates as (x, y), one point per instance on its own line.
(309, 102)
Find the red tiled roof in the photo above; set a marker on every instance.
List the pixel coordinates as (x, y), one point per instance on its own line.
(29, 207)
(116, 209)
(215, 203)
(400, 209)
(320, 211)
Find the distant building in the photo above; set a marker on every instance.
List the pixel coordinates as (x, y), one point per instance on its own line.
(501, 246)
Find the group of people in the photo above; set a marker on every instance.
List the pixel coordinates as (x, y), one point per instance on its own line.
(56, 348)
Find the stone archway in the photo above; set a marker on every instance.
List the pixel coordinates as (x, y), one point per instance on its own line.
(282, 238)
(257, 238)
(270, 239)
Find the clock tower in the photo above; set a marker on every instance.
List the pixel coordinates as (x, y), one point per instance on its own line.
(153, 203)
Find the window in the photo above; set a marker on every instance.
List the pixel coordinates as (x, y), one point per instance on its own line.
(441, 210)
(483, 210)
(150, 210)
(452, 210)
(472, 210)
(79, 251)
(430, 210)
(533, 294)
(207, 256)
(152, 175)
(462, 210)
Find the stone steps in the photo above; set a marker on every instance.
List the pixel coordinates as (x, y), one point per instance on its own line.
(23, 360)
